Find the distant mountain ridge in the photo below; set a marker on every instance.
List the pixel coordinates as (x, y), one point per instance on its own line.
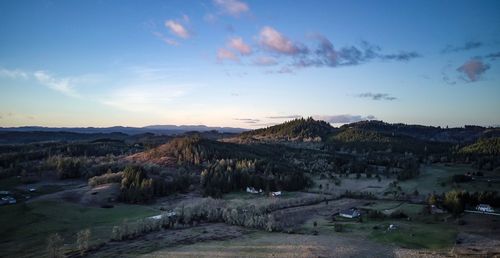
(156, 129)
(308, 129)
(468, 133)
(301, 130)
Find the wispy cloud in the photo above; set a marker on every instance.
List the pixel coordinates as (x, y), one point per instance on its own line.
(327, 55)
(61, 85)
(232, 7)
(66, 85)
(265, 61)
(273, 40)
(13, 74)
(178, 29)
(401, 56)
(376, 96)
(473, 69)
(343, 119)
(285, 117)
(469, 45)
(137, 99)
(248, 120)
(282, 70)
(239, 45)
(145, 90)
(225, 54)
(493, 56)
(165, 39)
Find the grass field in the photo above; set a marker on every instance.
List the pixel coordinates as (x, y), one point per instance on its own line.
(431, 177)
(352, 184)
(437, 177)
(389, 207)
(242, 195)
(417, 233)
(24, 228)
(409, 234)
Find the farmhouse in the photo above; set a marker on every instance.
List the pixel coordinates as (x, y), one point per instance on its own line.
(484, 208)
(169, 214)
(350, 213)
(8, 200)
(253, 190)
(275, 194)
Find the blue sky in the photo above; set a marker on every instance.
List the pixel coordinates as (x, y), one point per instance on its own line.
(248, 63)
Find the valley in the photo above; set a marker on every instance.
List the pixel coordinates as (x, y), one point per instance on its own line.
(188, 196)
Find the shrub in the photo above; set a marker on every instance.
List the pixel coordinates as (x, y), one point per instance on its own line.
(54, 246)
(106, 179)
(83, 241)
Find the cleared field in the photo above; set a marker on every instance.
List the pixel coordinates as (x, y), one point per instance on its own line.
(418, 233)
(262, 244)
(388, 207)
(437, 177)
(409, 234)
(431, 178)
(170, 238)
(352, 184)
(24, 228)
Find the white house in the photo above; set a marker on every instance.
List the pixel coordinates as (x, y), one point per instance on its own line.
(168, 215)
(350, 213)
(274, 194)
(8, 200)
(253, 190)
(484, 208)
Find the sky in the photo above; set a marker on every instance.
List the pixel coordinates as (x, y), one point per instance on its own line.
(249, 64)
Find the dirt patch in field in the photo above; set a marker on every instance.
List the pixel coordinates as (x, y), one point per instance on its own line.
(169, 238)
(481, 224)
(476, 245)
(262, 244)
(101, 195)
(70, 195)
(177, 200)
(146, 157)
(85, 195)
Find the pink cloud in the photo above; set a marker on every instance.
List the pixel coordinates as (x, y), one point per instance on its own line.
(232, 7)
(225, 54)
(273, 40)
(473, 69)
(239, 45)
(265, 61)
(177, 29)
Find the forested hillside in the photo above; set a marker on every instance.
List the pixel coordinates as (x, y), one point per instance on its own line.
(302, 129)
